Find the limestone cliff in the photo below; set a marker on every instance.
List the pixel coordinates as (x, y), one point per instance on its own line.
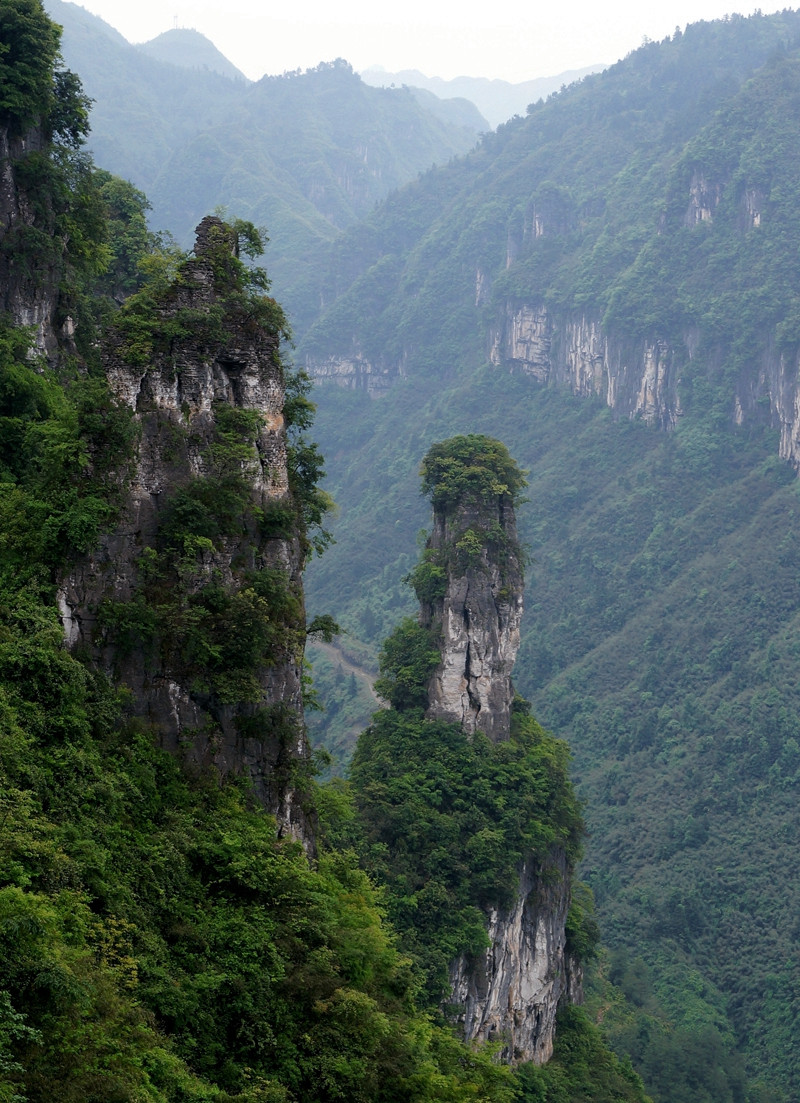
(195, 600)
(470, 584)
(28, 285)
(355, 371)
(478, 614)
(511, 993)
(642, 378)
(633, 378)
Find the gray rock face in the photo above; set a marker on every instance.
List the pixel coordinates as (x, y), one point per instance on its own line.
(479, 615)
(641, 379)
(30, 301)
(638, 379)
(175, 400)
(356, 372)
(512, 992)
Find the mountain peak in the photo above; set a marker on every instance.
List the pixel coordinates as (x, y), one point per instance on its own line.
(189, 49)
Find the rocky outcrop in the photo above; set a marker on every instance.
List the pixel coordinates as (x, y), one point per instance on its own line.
(637, 379)
(511, 993)
(478, 615)
(355, 371)
(470, 584)
(704, 198)
(642, 379)
(28, 284)
(177, 397)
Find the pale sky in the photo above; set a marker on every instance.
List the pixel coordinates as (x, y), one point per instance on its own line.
(480, 38)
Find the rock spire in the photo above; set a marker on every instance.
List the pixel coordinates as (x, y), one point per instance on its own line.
(470, 585)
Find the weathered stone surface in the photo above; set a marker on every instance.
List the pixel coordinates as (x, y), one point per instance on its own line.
(641, 379)
(174, 399)
(511, 993)
(637, 379)
(479, 615)
(30, 300)
(356, 371)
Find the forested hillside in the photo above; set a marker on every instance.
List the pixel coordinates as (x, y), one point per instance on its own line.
(303, 154)
(633, 241)
(163, 936)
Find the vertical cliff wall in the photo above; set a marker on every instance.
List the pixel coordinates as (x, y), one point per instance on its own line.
(28, 279)
(636, 379)
(511, 992)
(195, 600)
(470, 584)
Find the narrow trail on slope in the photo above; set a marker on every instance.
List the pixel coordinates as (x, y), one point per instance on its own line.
(349, 667)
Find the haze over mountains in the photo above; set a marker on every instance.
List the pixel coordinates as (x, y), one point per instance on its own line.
(496, 99)
(305, 154)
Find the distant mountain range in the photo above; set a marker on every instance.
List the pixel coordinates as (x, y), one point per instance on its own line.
(497, 100)
(304, 154)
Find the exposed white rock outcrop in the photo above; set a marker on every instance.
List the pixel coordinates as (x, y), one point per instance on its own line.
(354, 371)
(704, 198)
(637, 379)
(511, 993)
(479, 616)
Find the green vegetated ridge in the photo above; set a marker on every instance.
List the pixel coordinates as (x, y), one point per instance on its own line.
(305, 154)
(660, 631)
(607, 166)
(157, 940)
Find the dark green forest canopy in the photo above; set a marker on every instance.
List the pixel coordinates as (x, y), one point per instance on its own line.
(470, 468)
(34, 89)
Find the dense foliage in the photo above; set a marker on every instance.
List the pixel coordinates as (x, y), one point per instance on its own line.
(158, 941)
(467, 469)
(34, 90)
(658, 200)
(449, 819)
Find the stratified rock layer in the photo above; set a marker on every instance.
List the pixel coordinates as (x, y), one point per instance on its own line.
(636, 379)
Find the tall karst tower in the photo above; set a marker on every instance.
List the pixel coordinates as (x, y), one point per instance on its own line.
(475, 582)
(470, 585)
(195, 600)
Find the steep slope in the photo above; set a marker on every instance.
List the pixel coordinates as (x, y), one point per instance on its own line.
(633, 241)
(487, 778)
(194, 601)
